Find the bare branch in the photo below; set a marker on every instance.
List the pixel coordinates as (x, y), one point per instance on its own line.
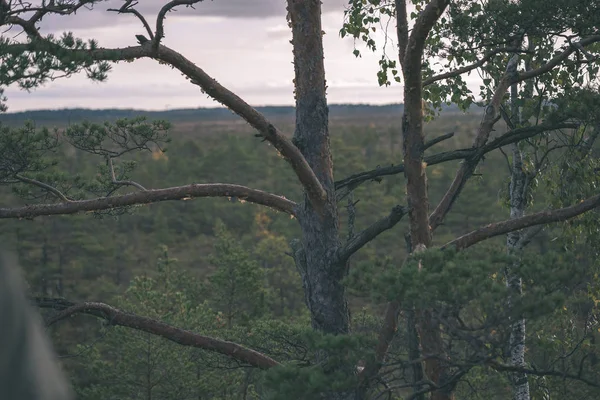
(291, 153)
(44, 186)
(386, 334)
(153, 196)
(183, 337)
(364, 237)
(487, 57)
(160, 19)
(127, 8)
(559, 374)
(121, 183)
(310, 182)
(511, 225)
(556, 60)
(466, 169)
(437, 140)
(509, 137)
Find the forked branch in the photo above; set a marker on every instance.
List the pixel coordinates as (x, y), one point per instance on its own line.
(183, 337)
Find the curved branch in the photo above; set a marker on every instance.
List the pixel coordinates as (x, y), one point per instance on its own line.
(487, 57)
(183, 337)
(44, 186)
(364, 237)
(153, 196)
(160, 18)
(114, 180)
(511, 225)
(423, 25)
(556, 60)
(127, 8)
(288, 150)
(313, 187)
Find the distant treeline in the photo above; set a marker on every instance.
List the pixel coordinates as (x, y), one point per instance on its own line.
(191, 114)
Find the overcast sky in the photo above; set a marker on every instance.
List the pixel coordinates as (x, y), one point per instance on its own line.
(244, 44)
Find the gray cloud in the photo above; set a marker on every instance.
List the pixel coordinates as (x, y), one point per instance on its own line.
(238, 9)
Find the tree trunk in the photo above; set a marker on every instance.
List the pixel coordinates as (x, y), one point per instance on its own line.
(316, 254)
(519, 185)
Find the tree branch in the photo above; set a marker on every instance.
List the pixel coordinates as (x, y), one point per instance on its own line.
(509, 137)
(465, 171)
(153, 196)
(114, 180)
(401, 29)
(370, 233)
(559, 374)
(488, 56)
(437, 140)
(44, 186)
(423, 25)
(160, 18)
(313, 187)
(183, 337)
(127, 8)
(556, 60)
(511, 225)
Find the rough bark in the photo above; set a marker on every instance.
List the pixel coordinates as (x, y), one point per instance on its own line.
(317, 254)
(316, 258)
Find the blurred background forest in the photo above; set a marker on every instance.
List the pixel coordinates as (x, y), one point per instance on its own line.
(219, 266)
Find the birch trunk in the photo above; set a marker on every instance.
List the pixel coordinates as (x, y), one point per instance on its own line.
(519, 185)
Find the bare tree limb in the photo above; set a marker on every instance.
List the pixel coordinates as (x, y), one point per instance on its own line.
(153, 196)
(511, 225)
(437, 140)
(44, 186)
(465, 171)
(559, 374)
(121, 183)
(183, 337)
(556, 60)
(313, 187)
(487, 57)
(509, 137)
(127, 8)
(160, 18)
(370, 233)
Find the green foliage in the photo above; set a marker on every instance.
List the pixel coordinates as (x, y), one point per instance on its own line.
(25, 150)
(37, 61)
(141, 365)
(236, 287)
